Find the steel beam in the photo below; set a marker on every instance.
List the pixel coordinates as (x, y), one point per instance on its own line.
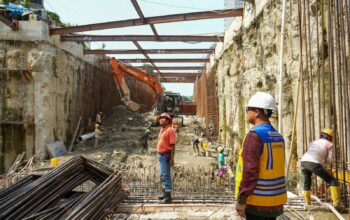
(190, 38)
(176, 80)
(174, 67)
(151, 51)
(150, 20)
(146, 55)
(142, 17)
(163, 60)
(181, 75)
(8, 22)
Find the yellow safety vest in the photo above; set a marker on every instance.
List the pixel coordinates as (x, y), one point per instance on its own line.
(270, 189)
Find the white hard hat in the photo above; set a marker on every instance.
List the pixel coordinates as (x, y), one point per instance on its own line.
(262, 100)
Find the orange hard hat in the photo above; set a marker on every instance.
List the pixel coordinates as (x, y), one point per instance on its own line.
(167, 116)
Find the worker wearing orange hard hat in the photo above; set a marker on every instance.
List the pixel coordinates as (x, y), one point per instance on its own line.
(166, 152)
(314, 161)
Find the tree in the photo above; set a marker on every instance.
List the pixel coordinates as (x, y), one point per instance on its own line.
(26, 3)
(5, 2)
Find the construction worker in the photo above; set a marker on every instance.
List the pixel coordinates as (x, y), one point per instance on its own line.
(98, 134)
(195, 145)
(144, 139)
(90, 126)
(260, 178)
(99, 117)
(203, 141)
(221, 157)
(319, 156)
(166, 152)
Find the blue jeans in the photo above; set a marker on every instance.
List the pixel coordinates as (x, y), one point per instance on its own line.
(165, 176)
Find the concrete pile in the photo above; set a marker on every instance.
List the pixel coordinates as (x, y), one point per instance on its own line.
(60, 193)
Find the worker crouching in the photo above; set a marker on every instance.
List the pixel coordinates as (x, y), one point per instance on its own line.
(166, 152)
(319, 156)
(260, 179)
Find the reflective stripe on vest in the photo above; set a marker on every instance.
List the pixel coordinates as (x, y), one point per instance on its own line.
(270, 189)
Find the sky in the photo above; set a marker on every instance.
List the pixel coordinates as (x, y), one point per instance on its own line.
(92, 11)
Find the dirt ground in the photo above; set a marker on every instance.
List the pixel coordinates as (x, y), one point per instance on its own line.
(122, 130)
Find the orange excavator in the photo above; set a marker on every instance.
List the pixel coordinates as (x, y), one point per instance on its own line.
(119, 68)
(169, 102)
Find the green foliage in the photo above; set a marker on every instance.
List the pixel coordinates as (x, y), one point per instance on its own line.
(26, 3)
(148, 68)
(54, 16)
(86, 46)
(187, 98)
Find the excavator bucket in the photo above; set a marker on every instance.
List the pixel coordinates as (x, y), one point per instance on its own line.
(133, 106)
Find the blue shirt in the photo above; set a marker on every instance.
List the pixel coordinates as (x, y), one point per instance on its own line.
(221, 160)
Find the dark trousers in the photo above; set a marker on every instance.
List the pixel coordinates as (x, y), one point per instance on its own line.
(255, 217)
(308, 168)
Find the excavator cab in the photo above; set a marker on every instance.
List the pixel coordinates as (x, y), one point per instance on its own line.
(173, 104)
(170, 103)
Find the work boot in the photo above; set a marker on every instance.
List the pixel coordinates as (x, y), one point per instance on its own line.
(335, 194)
(166, 199)
(307, 199)
(162, 195)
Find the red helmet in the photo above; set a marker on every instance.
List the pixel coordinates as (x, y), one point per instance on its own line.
(167, 116)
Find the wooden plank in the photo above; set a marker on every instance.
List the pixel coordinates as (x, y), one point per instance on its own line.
(161, 38)
(151, 51)
(150, 20)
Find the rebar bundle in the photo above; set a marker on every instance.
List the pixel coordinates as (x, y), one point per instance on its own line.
(54, 195)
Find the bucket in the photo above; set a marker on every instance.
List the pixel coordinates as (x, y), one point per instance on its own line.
(205, 145)
(54, 162)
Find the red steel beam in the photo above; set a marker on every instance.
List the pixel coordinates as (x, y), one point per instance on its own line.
(142, 17)
(180, 75)
(8, 22)
(177, 80)
(163, 60)
(191, 38)
(150, 20)
(146, 55)
(151, 51)
(174, 67)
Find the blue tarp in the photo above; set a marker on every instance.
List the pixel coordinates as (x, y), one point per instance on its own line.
(16, 10)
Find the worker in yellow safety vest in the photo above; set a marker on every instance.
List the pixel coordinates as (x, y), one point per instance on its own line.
(319, 156)
(260, 179)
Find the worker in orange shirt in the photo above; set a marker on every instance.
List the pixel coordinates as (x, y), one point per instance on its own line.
(166, 152)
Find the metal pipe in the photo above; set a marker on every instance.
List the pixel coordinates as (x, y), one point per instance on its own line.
(281, 69)
(86, 137)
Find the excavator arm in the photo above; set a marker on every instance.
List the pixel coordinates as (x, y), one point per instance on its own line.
(120, 68)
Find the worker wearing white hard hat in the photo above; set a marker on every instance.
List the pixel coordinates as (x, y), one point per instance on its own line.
(260, 180)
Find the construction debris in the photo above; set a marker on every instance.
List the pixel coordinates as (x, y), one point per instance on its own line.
(60, 194)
